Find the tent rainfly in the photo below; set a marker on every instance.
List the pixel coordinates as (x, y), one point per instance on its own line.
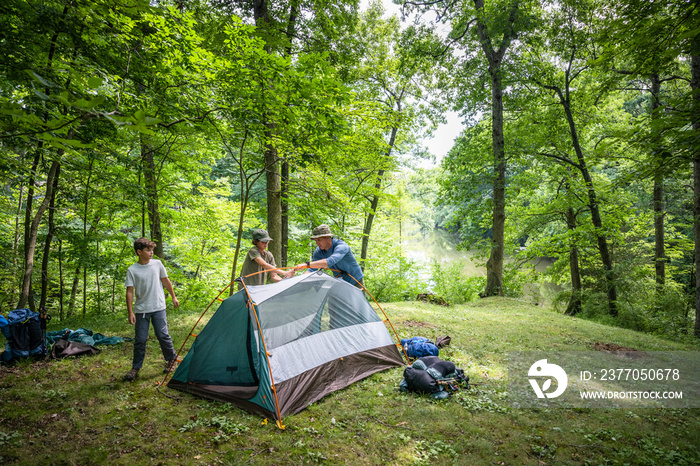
(275, 349)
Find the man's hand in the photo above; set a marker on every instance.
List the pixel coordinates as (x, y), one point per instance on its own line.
(176, 303)
(132, 318)
(305, 265)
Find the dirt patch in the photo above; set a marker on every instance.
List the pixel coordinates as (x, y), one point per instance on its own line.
(598, 346)
(414, 323)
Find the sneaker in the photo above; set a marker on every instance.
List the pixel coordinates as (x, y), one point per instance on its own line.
(170, 366)
(131, 375)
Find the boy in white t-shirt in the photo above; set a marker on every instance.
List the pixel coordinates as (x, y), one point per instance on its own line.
(145, 302)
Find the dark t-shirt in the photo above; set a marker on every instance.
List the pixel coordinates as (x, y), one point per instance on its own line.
(250, 266)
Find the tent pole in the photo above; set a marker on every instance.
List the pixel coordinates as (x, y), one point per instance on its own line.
(177, 356)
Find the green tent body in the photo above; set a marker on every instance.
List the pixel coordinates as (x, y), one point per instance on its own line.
(287, 346)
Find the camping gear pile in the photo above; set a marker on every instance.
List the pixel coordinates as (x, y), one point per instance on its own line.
(275, 349)
(432, 376)
(26, 337)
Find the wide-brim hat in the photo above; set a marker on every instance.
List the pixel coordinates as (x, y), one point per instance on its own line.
(321, 231)
(261, 235)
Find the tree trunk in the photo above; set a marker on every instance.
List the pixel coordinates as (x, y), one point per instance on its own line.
(695, 86)
(74, 292)
(284, 194)
(659, 235)
(375, 201)
(284, 191)
(574, 306)
(60, 278)
(84, 291)
(150, 176)
(494, 265)
(241, 217)
(97, 278)
(593, 206)
(261, 16)
(15, 243)
(86, 204)
(47, 243)
(30, 239)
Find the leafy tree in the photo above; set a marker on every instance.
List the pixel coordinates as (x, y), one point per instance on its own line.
(491, 28)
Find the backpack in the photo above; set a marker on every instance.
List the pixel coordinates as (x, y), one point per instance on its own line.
(23, 334)
(432, 376)
(417, 347)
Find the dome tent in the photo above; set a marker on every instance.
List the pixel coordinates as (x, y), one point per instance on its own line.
(275, 349)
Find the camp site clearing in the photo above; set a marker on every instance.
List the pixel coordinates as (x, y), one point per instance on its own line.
(79, 411)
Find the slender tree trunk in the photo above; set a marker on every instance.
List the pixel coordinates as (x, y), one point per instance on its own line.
(84, 307)
(74, 292)
(143, 208)
(30, 240)
(97, 278)
(239, 236)
(659, 210)
(152, 205)
(60, 277)
(695, 86)
(15, 243)
(86, 204)
(367, 229)
(494, 265)
(261, 16)
(594, 208)
(284, 191)
(197, 273)
(28, 223)
(47, 243)
(246, 184)
(274, 197)
(284, 195)
(574, 306)
(374, 203)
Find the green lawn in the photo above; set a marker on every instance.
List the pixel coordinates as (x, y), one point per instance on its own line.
(80, 412)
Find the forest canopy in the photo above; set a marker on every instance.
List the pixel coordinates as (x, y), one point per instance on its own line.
(194, 122)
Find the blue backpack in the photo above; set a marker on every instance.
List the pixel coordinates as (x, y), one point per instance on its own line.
(417, 347)
(23, 334)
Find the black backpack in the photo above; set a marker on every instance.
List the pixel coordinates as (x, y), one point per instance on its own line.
(438, 376)
(24, 334)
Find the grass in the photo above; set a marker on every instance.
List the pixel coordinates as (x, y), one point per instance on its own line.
(78, 411)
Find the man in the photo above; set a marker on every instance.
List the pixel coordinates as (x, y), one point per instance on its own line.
(333, 253)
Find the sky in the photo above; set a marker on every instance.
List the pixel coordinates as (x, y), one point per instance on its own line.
(443, 138)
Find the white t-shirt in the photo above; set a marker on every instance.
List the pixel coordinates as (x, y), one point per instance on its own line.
(148, 289)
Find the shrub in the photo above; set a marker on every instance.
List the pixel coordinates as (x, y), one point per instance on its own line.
(449, 282)
(397, 279)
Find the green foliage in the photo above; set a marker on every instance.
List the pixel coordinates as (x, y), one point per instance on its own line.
(394, 279)
(450, 282)
(665, 311)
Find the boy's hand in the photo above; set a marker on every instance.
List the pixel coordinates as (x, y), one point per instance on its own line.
(132, 318)
(176, 303)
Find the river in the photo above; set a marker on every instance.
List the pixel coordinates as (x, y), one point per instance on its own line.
(441, 245)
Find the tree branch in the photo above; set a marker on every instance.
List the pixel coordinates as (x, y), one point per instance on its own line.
(562, 159)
